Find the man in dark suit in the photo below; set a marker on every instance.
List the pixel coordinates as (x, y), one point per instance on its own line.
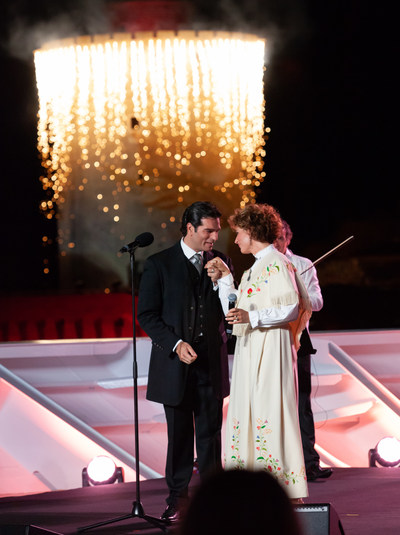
(180, 310)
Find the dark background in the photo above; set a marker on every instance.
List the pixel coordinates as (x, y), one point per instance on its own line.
(331, 155)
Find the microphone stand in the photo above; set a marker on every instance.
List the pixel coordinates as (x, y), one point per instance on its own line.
(137, 507)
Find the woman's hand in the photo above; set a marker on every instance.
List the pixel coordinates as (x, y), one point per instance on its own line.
(237, 315)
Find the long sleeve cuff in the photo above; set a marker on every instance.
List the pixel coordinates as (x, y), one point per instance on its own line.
(226, 286)
(269, 317)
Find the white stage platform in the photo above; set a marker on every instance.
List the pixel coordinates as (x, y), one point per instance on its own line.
(63, 402)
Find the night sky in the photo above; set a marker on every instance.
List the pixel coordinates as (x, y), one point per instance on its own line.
(331, 157)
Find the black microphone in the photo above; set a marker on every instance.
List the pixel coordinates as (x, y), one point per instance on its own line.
(232, 304)
(143, 240)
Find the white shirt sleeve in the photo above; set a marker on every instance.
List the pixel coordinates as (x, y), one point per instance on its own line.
(270, 317)
(176, 345)
(314, 291)
(226, 287)
(308, 273)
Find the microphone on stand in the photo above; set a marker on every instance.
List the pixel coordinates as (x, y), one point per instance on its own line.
(232, 304)
(143, 240)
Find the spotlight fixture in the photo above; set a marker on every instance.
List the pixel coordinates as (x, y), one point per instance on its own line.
(386, 453)
(101, 471)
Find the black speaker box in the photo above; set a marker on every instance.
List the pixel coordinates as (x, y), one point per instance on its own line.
(20, 529)
(319, 519)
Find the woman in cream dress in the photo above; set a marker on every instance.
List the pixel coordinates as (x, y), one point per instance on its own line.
(272, 308)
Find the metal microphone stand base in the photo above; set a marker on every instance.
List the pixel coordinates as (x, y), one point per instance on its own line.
(137, 507)
(137, 512)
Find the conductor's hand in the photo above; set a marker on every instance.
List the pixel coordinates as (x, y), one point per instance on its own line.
(186, 353)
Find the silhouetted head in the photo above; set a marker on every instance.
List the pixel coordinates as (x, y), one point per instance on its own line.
(240, 502)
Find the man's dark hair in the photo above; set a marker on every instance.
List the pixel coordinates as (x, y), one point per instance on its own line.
(196, 212)
(288, 230)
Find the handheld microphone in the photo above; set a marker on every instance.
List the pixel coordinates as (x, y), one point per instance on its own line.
(232, 304)
(143, 240)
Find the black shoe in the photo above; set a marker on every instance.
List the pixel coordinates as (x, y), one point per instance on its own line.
(171, 514)
(318, 473)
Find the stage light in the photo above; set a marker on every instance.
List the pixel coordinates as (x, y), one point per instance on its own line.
(386, 453)
(101, 471)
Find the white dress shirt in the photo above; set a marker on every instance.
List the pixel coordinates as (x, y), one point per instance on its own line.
(188, 251)
(309, 278)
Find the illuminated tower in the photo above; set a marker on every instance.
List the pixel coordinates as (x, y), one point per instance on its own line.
(134, 127)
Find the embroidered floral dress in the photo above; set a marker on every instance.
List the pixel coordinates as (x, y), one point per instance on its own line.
(262, 428)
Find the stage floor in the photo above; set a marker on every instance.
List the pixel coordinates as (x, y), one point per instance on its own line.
(365, 499)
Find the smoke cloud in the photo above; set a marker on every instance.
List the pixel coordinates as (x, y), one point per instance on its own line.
(282, 22)
(30, 25)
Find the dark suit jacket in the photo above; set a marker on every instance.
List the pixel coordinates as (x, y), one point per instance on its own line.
(166, 312)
